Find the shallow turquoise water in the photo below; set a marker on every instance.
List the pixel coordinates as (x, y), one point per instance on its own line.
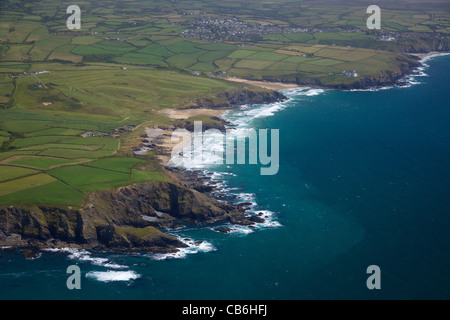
(364, 179)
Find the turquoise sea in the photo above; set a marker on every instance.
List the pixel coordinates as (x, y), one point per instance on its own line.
(364, 180)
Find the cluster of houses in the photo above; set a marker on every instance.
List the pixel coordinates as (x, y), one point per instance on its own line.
(227, 29)
(349, 73)
(117, 132)
(114, 39)
(23, 74)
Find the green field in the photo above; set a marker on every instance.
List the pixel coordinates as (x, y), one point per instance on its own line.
(64, 53)
(152, 39)
(80, 175)
(131, 60)
(8, 172)
(156, 50)
(120, 164)
(39, 162)
(24, 183)
(55, 193)
(141, 58)
(26, 142)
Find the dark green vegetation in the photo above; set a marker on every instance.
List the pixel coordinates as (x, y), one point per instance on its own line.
(132, 59)
(147, 33)
(113, 219)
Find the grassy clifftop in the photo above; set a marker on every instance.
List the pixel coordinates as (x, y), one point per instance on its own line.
(123, 219)
(74, 105)
(291, 41)
(76, 133)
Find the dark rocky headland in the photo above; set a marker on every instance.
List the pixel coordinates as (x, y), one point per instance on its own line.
(129, 218)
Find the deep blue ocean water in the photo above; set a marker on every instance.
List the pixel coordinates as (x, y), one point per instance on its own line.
(364, 180)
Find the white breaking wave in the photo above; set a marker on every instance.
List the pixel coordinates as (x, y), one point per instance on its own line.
(85, 256)
(234, 229)
(431, 56)
(110, 276)
(411, 79)
(302, 91)
(244, 117)
(269, 222)
(247, 197)
(193, 247)
(371, 89)
(241, 121)
(81, 255)
(420, 71)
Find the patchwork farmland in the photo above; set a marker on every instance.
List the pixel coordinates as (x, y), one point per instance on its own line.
(130, 60)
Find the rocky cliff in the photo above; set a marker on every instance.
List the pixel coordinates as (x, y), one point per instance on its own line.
(406, 65)
(235, 98)
(126, 219)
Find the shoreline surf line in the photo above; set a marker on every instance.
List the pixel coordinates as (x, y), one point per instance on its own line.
(183, 114)
(429, 54)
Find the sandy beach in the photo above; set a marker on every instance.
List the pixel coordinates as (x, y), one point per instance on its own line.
(164, 139)
(183, 114)
(265, 84)
(421, 55)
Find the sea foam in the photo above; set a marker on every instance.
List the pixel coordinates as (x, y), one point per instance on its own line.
(192, 248)
(116, 271)
(241, 120)
(410, 79)
(85, 256)
(110, 276)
